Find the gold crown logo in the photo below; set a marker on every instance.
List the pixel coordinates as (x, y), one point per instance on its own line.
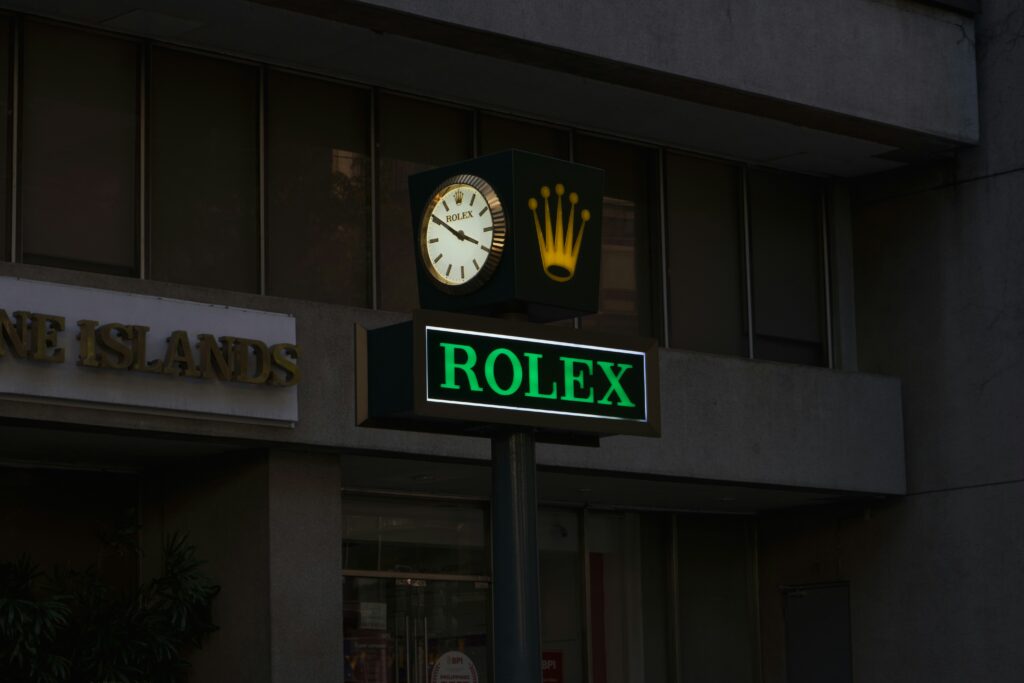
(558, 249)
(458, 196)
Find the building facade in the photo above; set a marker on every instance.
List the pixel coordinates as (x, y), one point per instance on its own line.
(811, 206)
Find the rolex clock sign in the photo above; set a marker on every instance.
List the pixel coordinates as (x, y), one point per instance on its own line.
(510, 232)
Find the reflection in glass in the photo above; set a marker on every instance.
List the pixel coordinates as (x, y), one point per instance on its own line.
(561, 592)
(396, 629)
(787, 267)
(79, 149)
(413, 136)
(497, 134)
(425, 538)
(630, 191)
(204, 171)
(717, 599)
(5, 109)
(706, 262)
(619, 312)
(628, 617)
(318, 201)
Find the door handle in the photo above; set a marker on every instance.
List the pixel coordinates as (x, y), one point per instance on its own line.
(394, 647)
(409, 667)
(394, 652)
(417, 666)
(426, 649)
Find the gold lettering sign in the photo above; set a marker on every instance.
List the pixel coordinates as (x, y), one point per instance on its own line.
(117, 346)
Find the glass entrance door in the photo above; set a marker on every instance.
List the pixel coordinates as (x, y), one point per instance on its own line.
(417, 591)
(398, 629)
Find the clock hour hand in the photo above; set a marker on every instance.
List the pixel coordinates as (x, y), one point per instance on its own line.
(457, 233)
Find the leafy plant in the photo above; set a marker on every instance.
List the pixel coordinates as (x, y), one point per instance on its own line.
(72, 627)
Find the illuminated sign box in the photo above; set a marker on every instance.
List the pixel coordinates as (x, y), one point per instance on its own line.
(445, 372)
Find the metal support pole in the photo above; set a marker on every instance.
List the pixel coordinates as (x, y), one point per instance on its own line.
(514, 558)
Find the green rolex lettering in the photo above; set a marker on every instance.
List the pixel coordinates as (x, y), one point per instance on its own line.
(466, 366)
(517, 372)
(575, 379)
(533, 373)
(512, 372)
(614, 381)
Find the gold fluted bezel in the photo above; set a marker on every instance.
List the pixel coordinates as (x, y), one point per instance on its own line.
(497, 239)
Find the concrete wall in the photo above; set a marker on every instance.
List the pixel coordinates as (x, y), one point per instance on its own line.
(305, 568)
(730, 419)
(724, 418)
(940, 284)
(834, 87)
(935, 590)
(935, 579)
(918, 73)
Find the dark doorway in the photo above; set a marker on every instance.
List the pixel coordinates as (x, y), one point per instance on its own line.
(817, 633)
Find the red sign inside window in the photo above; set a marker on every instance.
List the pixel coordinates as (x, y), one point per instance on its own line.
(551, 667)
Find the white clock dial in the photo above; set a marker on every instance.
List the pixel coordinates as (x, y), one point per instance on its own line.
(462, 233)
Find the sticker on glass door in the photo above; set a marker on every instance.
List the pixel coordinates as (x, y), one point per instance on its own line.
(454, 667)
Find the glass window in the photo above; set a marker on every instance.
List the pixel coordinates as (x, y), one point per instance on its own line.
(655, 576)
(628, 618)
(318, 190)
(79, 155)
(403, 536)
(561, 594)
(630, 197)
(717, 599)
(204, 171)
(786, 264)
(498, 133)
(412, 136)
(704, 235)
(5, 108)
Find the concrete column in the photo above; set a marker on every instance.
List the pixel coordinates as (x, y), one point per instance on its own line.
(305, 567)
(268, 524)
(221, 503)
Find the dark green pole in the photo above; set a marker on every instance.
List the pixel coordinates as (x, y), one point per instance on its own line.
(514, 558)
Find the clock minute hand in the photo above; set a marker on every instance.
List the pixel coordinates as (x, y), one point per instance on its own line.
(447, 227)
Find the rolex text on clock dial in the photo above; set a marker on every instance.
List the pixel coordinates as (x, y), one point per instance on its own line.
(462, 234)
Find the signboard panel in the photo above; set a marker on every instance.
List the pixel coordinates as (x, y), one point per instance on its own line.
(443, 372)
(125, 351)
(509, 372)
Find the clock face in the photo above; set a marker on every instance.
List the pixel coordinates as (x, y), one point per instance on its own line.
(462, 234)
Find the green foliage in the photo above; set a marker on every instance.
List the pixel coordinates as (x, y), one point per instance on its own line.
(72, 627)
